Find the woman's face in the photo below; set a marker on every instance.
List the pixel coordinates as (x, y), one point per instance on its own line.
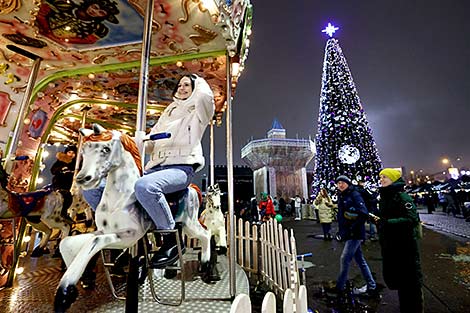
(94, 10)
(385, 181)
(184, 88)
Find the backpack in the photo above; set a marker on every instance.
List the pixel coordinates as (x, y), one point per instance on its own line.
(370, 199)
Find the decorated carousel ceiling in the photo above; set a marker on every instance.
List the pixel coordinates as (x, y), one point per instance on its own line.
(90, 51)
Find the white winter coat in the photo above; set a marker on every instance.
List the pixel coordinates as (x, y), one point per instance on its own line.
(186, 120)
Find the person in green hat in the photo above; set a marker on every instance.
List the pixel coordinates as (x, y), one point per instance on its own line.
(399, 231)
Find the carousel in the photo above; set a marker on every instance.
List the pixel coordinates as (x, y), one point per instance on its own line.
(72, 66)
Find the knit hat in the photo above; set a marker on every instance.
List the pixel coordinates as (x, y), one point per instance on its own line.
(344, 178)
(70, 148)
(391, 173)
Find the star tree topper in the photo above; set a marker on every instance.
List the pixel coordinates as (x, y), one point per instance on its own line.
(330, 30)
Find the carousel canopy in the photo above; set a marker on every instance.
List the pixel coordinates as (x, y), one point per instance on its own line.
(89, 53)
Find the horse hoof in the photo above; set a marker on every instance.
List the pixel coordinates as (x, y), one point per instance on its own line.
(209, 274)
(64, 298)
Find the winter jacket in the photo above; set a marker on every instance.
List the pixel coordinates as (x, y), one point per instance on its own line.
(352, 214)
(398, 237)
(186, 121)
(266, 208)
(325, 209)
(62, 171)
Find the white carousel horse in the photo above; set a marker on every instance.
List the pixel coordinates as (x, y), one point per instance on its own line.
(213, 218)
(45, 205)
(119, 220)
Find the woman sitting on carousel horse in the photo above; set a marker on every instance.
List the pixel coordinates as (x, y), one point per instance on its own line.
(173, 161)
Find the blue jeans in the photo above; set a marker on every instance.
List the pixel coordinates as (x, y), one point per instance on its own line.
(352, 249)
(151, 188)
(93, 196)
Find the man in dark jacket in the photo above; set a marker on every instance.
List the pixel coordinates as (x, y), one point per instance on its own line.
(352, 215)
(63, 170)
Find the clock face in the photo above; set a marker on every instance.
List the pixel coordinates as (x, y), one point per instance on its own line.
(348, 154)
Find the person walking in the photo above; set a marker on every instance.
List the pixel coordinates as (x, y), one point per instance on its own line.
(352, 215)
(298, 208)
(325, 207)
(399, 231)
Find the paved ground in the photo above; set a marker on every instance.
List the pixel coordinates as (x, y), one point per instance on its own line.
(445, 253)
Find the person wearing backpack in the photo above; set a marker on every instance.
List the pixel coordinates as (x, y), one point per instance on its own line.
(399, 231)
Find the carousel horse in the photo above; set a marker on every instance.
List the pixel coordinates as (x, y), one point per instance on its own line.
(119, 219)
(213, 218)
(41, 208)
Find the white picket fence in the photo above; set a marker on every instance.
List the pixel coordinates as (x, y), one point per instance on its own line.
(270, 252)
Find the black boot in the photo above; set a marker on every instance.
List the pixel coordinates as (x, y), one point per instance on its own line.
(168, 253)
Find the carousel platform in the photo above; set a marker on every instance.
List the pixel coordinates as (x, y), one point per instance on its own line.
(34, 289)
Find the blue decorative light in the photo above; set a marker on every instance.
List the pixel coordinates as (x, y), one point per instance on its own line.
(330, 30)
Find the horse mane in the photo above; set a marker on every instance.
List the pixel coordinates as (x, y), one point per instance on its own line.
(198, 191)
(127, 142)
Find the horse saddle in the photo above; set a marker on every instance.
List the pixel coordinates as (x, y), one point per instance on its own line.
(176, 200)
(24, 203)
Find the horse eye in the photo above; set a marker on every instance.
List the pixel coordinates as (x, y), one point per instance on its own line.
(106, 150)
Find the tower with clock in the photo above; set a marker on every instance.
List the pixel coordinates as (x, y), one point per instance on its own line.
(344, 141)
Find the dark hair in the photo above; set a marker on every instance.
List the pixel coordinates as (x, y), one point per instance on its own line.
(70, 148)
(110, 6)
(192, 78)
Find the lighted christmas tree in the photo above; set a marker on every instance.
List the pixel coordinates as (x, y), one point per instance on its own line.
(344, 141)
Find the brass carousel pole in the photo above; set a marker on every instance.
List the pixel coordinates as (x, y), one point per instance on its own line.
(231, 219)
(15, 136)
(144, 75)
(11, 149)
(212, 153)
(132, 298)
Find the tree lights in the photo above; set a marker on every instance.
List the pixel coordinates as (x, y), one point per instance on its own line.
(344, 141)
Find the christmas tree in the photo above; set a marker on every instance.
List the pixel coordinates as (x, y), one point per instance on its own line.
(344, 141)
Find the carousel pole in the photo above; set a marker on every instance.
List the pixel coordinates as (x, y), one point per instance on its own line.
(132, 298)
(11, 149)
(212, 153)
(144, 76)
(231, 219)
(15, 135)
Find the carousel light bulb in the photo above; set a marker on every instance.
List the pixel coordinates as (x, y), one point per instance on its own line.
(179, 64)
(27, 121)
(235, 68)
(26, 239)
(103, 106)
(19, 270)
(40, 180)
(91, 76)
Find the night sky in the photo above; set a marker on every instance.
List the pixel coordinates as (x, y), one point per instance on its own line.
(410, 61)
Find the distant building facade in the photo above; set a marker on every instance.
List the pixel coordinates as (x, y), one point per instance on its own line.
(242, 182)
(279, 164)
